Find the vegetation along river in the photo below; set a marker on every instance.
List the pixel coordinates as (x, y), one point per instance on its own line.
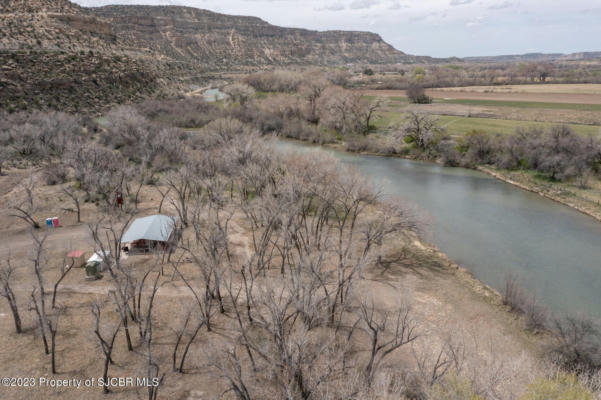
(495, 229)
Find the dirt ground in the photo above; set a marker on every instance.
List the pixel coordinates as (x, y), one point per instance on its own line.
(445, 299)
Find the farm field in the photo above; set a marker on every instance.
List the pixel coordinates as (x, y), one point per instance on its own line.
(400, 100)
(501, 109)
(575, 97)
(594, 89)
(458, 125)
(522, 104)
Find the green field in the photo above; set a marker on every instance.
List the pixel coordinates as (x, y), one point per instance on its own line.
(462, 125)
(522, 104)
(396, 100)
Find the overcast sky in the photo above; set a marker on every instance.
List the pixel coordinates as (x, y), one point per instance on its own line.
(439, 28)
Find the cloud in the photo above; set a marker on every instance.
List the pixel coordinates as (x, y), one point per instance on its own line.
(477, 21)
(422, 17)
(363, 4)
(501, 6)
(460, 2)
(396, 5)
(591, 11)
(332, 7)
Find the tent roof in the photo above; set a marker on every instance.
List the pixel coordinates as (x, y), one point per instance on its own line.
(97, 257)
(75, 254)
(156, 228)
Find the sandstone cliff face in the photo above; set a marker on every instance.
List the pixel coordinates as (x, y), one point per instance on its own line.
(55, 54)
(222, 41)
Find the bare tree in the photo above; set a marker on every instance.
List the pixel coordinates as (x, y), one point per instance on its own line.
(145, 318)
(180, 183)
(432, 366)
(106, 338)
(163, 194)
(230, 367)
(153, 372)
(6, 274)
(26, 208)
(416, 93)
(368, 112)
(76, 200)
(38, 295)
(107, 234)
(421, 129)
(239, 93)
(41, 316)
(204, 300)
(311, 90)
(578, 344)
(375, 324)
(64, 271)
(341, 110)
(181, 333)
(52, 320)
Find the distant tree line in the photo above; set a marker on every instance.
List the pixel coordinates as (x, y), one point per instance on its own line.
(476, 74)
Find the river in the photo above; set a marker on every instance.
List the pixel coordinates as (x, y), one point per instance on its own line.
(495, 229)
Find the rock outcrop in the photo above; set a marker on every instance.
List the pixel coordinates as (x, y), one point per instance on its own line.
(224, 41)
(56, 54)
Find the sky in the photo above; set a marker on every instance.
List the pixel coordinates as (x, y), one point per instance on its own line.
(438, 28)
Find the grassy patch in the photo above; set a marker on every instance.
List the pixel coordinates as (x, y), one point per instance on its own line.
(461, 125)
(522, 104)
(565, 88)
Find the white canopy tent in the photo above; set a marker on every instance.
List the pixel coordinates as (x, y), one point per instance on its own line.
(149, 233)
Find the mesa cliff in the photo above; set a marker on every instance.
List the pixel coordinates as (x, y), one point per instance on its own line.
(58, 55)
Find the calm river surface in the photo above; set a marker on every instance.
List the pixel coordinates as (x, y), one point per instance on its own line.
(494, 229)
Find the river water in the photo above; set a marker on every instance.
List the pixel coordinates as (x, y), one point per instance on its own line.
(495, 229)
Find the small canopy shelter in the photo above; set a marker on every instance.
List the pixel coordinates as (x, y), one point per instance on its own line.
(77, 258)
(149, 234)
(97, 264)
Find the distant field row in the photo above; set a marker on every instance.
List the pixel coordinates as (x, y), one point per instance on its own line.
(522, 104)
(501, 103)
(462, 125)
(540, 88)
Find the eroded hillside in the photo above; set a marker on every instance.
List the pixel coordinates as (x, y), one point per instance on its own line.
(223, 41)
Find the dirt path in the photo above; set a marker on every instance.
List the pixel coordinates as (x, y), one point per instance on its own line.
(18, 242)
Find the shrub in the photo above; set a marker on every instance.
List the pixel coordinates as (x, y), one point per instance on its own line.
(578, 344)
(563, 387)
(479, 148)
(239, 93)
(453, 388)
(188, 112)
(275, 81)
(417, 94)
(55, 174)
(514, 296)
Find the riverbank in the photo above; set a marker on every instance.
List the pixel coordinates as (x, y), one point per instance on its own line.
(586, 201)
